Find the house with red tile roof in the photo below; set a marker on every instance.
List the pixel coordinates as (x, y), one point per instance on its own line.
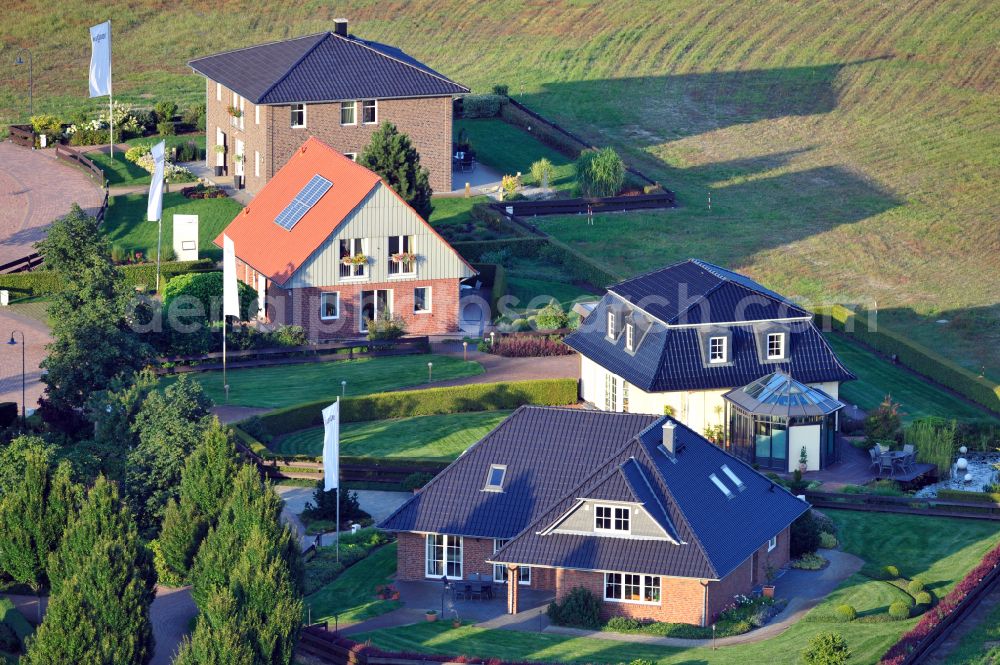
(330, 247)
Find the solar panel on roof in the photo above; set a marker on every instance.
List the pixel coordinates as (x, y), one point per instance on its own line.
(307, 197)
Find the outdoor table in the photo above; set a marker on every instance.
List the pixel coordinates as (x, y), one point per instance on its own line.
(892, 456)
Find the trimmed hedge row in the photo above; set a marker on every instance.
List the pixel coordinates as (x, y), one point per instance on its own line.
(961, 495)
(46, 283)
(494, 276)
(915, 356)
(428, 402)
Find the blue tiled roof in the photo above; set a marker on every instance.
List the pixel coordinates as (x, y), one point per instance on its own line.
(548, 452)
(323, 67)
(716, 533)
(671, 357)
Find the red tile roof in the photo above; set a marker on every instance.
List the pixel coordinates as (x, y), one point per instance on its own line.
(277, 253)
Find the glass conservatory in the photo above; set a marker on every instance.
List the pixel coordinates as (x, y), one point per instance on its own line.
(775, 420)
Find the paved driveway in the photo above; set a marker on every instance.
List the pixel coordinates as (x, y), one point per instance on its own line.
(36, 334)
(35, 189)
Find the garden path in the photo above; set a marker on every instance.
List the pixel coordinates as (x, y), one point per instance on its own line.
(36, 334)
(35, 189)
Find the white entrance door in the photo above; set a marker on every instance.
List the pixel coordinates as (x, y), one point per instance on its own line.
(240, 147)
(220, 139)
(375, 305)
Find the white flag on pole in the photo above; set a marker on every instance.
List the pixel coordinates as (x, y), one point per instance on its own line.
(331, 446)
(100, 60)
(154, 206)
(230, 292)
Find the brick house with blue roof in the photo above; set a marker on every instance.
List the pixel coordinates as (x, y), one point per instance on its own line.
(678, 339)
(263, 102)
(655, 520)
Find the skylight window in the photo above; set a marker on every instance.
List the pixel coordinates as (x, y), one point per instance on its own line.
(733, 477)
(303, 202)
(495, 478)
(721, 485)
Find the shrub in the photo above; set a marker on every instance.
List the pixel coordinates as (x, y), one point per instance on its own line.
(49, 125)
(325, 506)
(415, 481)
(386, 328)
(501, 90)
(827, 541)
(891, 572)
(580, 608)
(165, 111)
(428, 402)
(884, 424)
(551, 317)
(195, 115)
(623, 625)
(826, 649)
(541, 172)
(805, 537)
(846, 612)
(135, 152)
(481, 106)
(809, 561)
(914, 587)
(206, 289)
(934, 440)
(899, 610)
(9, 641)
(166, 128)
(600, 172)
(145, 120)
(529, 346)
(924, 599)
(510, 184)
(290, 336)
(187, 152)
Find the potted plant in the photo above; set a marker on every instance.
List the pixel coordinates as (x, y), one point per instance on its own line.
(404, 257)
(456, 622)
(356, 260)
(234, 112)
(220, 166)
(803, 460)
(431, 615)
(770, 573)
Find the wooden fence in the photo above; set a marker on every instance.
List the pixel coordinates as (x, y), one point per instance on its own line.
(664, 199)
(291, 355)
(76, 158)
(22, 135)
(905, 504)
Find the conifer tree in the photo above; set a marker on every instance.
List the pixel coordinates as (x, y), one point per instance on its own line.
(392, 155)
(102, 586)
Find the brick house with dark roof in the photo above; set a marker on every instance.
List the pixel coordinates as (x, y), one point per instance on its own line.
(264, 101)
(655, 520)
(679, 339)
(329, 246)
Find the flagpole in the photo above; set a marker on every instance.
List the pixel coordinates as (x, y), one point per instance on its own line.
(225, 384)
(159, 244)
(111, 107)
(338, 480)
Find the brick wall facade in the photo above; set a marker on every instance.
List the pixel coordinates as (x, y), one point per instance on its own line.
(682, 600)
(427, 121)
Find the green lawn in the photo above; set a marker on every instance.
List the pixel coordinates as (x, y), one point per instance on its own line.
(454, 209)
(938, 550)
(510, 149)
(127, 228)
(878, 377)
(442, 437)
(352, 595)
(285, 385)
(119, 171)
(981, 645)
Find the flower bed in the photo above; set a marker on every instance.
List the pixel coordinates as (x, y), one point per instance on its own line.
(200, 191)
(744, 615)
(524, 346)
(898, 653)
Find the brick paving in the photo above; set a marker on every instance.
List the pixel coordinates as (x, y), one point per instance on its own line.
(35, 189)
(36, 334)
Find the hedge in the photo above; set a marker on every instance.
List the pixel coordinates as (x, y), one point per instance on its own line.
(915, 356)
(494, 277)
(482, 106)
(428, 402)
(520, 247)
(46, 282)
(962, 495)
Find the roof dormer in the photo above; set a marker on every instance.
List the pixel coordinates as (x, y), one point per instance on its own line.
(716, 346)
(773, 343)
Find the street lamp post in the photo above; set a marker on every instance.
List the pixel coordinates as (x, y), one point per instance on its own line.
(18, 60)
(13, 342)
(430, 369)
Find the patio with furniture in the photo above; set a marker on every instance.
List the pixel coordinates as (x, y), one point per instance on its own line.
(475, 600)
(899, 465)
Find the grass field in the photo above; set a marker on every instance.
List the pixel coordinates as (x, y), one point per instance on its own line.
(850, 148)
(126, 225)
(881, 539)
(284, 385)
(878, 377)
(352, 595)
(981, 645)
(427, 437)
(510, 150)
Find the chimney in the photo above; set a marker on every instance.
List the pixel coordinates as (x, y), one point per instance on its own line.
(340, 26)
(669, 443)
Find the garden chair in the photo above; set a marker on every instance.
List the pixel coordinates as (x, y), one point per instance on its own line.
(874, 453)
(911, 456)
(885, 462)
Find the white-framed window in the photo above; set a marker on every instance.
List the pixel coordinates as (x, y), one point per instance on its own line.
(348, 113)
(422, 300)
(717, 350)
(218, 92)
(443, 556)
(298, 115)
(352, 248)
(369, 111)
(610, 392)
(353, 156)
(256, 114)
(632, 588)
(772, 543)
(401, 257)
(256, 163)
(630, 336)
(500, 570)
(614, 519)
(329, 305)
(611, 325)
(775, 346)
(495, 477)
